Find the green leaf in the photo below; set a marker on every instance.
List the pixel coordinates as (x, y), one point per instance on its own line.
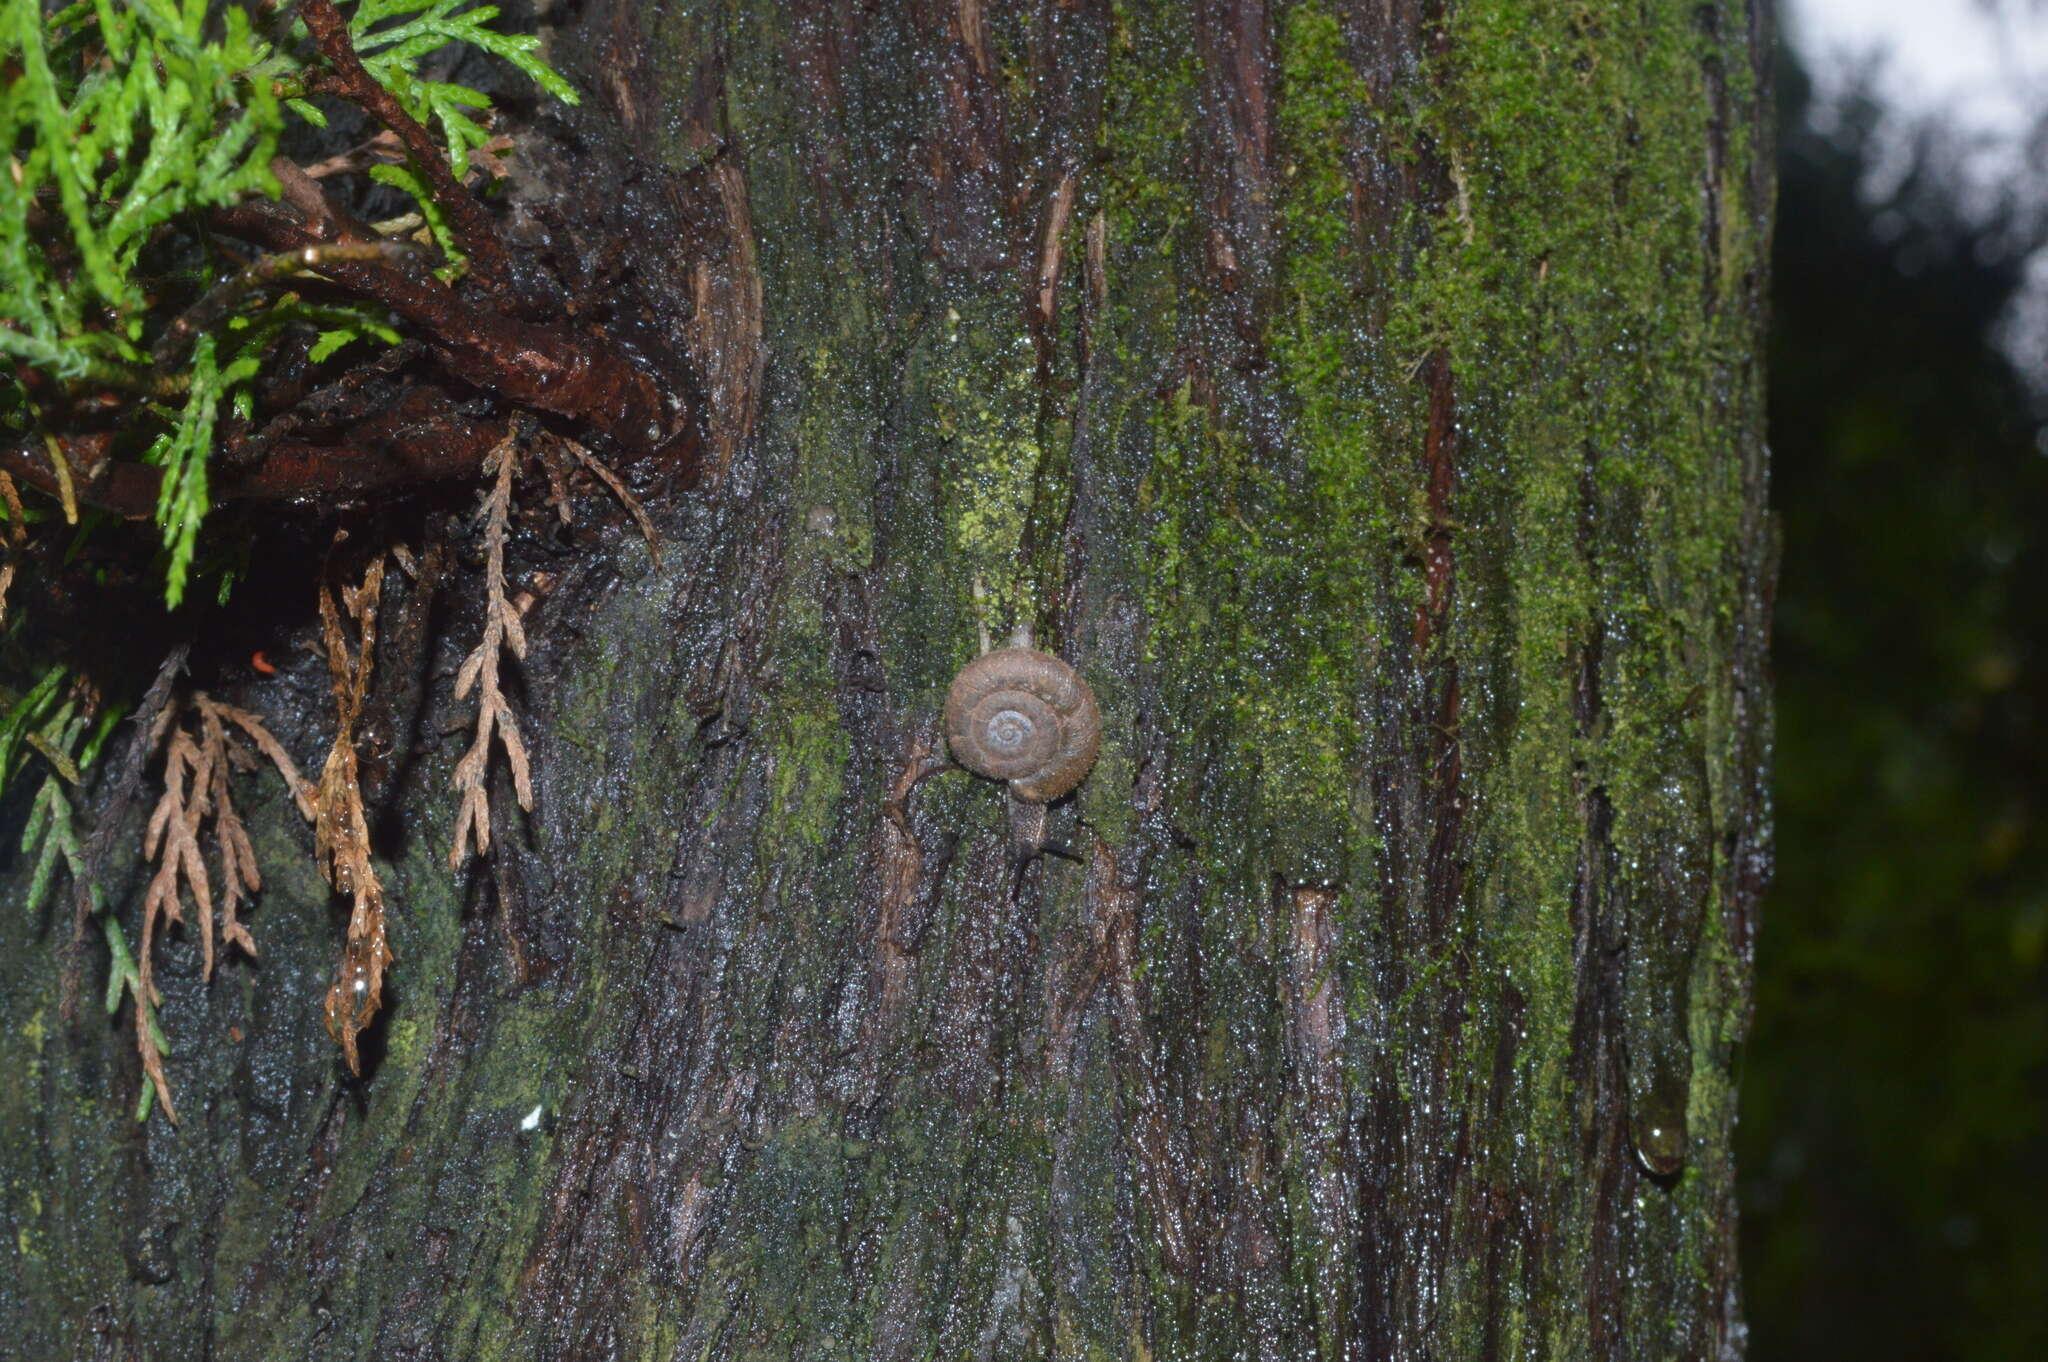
(392, 56)
(182, 498)
(38, 816)
(102, 727)
(121, 971)
(60, 833)
(49, 751)
(401, 177)
(20, 716)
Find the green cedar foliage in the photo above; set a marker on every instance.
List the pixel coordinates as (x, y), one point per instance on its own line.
(122, 122)
(52, 723)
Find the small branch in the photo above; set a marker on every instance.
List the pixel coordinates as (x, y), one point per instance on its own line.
(225, 296)
(172, 841)
(329, 220)
(241, 875)
(626, 498)
(547, 368)
(350, 80)
(422, 437)
(383, 149)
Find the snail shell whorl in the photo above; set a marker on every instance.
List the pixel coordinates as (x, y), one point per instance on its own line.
(1026, 717)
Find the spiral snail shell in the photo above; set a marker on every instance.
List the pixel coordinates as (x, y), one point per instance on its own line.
(1023, 716)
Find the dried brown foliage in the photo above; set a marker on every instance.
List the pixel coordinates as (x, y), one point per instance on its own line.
(198, 759)
(203, 742)
(17, 535)
(195, 789)
(501, 630)
(341, 835)
(553, 447)
(618, 489)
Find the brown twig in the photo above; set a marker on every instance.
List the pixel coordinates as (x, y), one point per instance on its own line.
(196, 789)
(241, 875)
(487, 257)
(382, 149)
(422, 437)
(326, 219)
(172, 841)
(547, 368)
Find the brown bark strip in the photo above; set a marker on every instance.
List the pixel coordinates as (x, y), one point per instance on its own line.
(901, 874)
(1054, 249)
(1316, 1025)
(1156, 1151)
(1443, 871)
(969, 159)
(970, 26)
(1235, 41)
(1318, 1022)
(1098, 260)
(1421, 1102)
(726, 327)
(1439, 463)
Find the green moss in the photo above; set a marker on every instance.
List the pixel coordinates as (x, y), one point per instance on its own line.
(35, 1032)
(1104, 798)
(1597, 516)
(1602, 490)
(835, 470)
(1000, 468)
(1150, 112)
(810, 758)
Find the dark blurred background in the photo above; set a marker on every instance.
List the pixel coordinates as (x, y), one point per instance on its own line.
(1894, 1137)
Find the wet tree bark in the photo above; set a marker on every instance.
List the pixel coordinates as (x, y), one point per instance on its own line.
(1366, 398)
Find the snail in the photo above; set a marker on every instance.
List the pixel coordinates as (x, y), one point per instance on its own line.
(1024, 717)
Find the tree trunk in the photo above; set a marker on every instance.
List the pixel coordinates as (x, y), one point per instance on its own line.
(1366, 399)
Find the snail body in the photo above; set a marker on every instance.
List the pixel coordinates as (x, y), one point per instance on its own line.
(1026, 718)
